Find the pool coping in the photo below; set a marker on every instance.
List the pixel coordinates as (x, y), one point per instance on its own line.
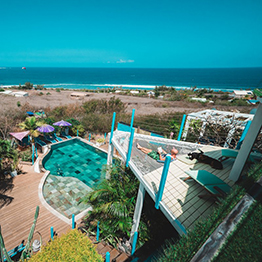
(44, 177)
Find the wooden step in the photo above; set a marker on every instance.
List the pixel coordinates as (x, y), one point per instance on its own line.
(122, 257)
(99, 247)
(113, 254)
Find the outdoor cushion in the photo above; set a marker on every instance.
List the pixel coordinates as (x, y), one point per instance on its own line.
(209, 181)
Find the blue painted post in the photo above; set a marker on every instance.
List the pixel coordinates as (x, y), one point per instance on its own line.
(162, 181)
(36, 151)
(130, 146)
(112, 127)
(33, 154)
(52, 233)
(73, 221)
(105, 136)
(134, 243)
(107, 257)
(181, 127)
(89, 137)
(243, 134)
(77, 132)
(132, 118)
(97, 231)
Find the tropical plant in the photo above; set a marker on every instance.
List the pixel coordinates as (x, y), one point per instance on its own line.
(8, 156)
(174, 126)
(113, 203)
(31, 124)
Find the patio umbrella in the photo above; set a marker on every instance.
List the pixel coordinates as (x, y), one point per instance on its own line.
(19, 135)
(62, 123)
(45, 128)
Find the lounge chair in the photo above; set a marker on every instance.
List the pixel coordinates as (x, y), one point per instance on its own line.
(39, 142)
(50, 139)
(15, 251)
(230, 153)
(214, 185)
(54, 136)
(64, 135)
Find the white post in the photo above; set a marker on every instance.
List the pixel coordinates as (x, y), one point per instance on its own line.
(247, 145)
(203, 129)
(184, 135)
(110, 157)
(138, 211)
(229, 136)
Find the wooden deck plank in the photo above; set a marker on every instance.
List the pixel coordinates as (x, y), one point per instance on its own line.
(17, 217)
(181, 197)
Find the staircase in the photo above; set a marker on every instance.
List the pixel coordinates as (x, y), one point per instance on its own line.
(115, 255)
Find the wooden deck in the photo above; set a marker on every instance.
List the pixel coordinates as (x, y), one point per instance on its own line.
(17, 217)
(181, 198)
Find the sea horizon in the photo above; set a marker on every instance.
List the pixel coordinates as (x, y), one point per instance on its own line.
(90, 78)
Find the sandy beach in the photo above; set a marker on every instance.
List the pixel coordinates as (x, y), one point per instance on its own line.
(142, 105)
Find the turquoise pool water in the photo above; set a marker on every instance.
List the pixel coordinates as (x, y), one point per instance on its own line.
(74, 158)
(75, 168)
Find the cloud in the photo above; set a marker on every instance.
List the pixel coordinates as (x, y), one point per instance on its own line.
(121, 61)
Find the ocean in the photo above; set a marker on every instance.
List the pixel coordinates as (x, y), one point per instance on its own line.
(224, 79)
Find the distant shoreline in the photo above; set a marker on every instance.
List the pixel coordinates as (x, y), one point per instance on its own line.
(225, 80)
(124, 87)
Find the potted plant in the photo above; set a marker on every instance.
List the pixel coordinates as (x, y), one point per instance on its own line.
(100, 141)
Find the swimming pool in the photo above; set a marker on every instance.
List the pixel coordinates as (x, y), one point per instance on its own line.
(75, 168)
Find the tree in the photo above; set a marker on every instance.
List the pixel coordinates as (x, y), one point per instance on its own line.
(31, 124)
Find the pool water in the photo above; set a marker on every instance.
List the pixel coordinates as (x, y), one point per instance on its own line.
(75, 158)
(75, 168)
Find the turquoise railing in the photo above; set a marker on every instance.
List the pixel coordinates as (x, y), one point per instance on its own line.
(181, 127)
(112, 127)
(134, 243)
(130, 146)
(52, 233)
(97, 231)
(107, 257)
(162, 181)
(243, 134)
(73, 221)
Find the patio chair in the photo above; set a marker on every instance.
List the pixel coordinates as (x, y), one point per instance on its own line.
(214, 185)
(17, 250)
(39, 141)
(50, 139)
(230, 153)
(54, 136)
(65, 135)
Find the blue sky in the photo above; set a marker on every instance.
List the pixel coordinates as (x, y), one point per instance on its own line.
(160, 34)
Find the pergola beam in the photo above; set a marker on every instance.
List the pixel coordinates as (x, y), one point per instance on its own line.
(247, 145)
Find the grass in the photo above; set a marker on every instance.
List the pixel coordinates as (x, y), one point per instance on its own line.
(245, 242)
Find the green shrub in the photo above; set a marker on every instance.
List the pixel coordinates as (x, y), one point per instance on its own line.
(18, 103)
(39, 87)
(26, 155)
(57, 90)
(48, 93)
(2, 90)
(73, 246)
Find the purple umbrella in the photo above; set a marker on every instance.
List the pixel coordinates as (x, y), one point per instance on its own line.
(62, 123)
(45, 128)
